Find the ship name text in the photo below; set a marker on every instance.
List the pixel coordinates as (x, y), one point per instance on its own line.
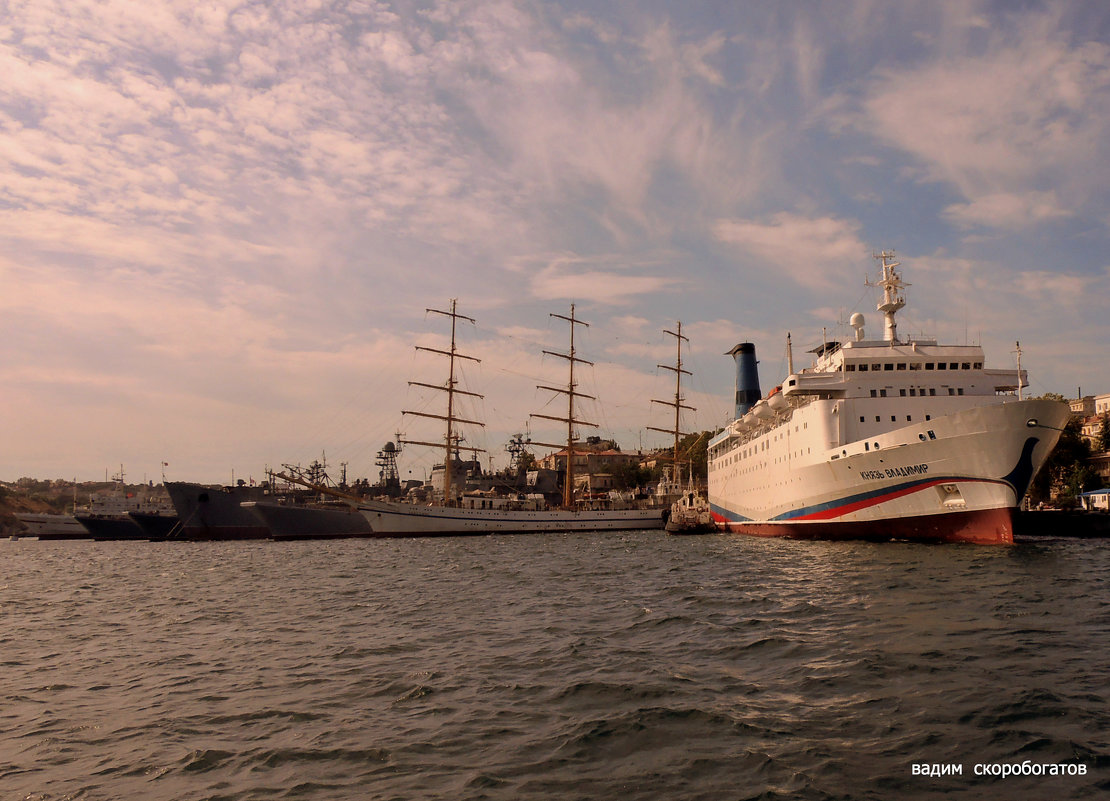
(894, 472)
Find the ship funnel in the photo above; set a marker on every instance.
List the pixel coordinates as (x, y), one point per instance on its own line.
(747, 378)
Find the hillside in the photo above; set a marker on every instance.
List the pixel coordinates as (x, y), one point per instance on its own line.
(57, 497)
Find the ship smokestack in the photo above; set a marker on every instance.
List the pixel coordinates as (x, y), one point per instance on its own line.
(747, 377)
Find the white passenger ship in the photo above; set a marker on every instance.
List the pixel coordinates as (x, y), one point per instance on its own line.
(881, 439)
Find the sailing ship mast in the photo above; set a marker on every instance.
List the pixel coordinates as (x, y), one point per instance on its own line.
(451, 439)
(677, 404)
(571, 392)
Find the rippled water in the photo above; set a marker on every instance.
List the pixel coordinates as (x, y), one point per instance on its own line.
(630, 666)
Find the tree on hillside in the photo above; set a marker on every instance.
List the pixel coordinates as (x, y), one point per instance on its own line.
(630, 476)
(692, 452)
(1064, 473)
(1104, 433)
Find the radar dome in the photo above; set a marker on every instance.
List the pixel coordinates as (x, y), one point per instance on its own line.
(389, 447)
(857, 322)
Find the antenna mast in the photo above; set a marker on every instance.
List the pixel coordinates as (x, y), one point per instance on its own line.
(677, 404)
(451, 439)
(571, 392)
(893, 297)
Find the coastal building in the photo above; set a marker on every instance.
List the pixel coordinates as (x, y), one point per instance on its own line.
(1093, 412)
(598, 464)
(1083, 406)
(593, 456)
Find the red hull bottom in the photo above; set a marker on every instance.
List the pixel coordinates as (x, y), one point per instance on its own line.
(985, 527)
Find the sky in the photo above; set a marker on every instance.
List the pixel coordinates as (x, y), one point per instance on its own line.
(222, 223)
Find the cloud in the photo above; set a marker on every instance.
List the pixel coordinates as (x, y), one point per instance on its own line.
(568, 280)
(1008, 211)
(808, 250)
(1013, 127)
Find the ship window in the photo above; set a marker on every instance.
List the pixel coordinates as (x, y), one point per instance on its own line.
(902, 393)
(960, 391)
(921, 437)
(978, 365)
(876, 446)
(851, 368)
(913, 392)
(932, 435)
(909, 418)
(953, 366)
(867, 446)
(942, 366)
(915, 366)
(966, 365)
(863, 368)
(894, 418)
(878, 419)
(928, 417)
(928, 365)
(861, 418)
(951, 391)
(874, 393)
(901, 365)
(932, 390)
(888, 366)
(882, 393)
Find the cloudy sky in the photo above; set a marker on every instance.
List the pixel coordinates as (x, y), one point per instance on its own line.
(221, 222)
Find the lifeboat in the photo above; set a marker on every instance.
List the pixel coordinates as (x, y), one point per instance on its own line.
(777, 401)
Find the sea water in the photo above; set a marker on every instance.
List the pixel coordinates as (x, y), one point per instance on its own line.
(578, 666)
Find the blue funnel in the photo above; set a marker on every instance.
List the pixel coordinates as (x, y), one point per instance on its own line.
(747, 377)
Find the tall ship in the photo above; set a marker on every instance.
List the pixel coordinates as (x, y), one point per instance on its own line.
(881, 439)
(453, 513)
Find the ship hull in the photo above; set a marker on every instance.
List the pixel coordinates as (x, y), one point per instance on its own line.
(982, 527)
(406, 520)
(957, 478)
(287, 522)
(111, 527)
(155, 525)
(215, 513)
(52, 526)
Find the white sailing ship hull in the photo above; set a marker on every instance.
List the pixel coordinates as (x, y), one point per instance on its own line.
(401, 519)
(955, 478)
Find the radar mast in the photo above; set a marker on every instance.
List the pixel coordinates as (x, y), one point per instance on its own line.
(893, 296)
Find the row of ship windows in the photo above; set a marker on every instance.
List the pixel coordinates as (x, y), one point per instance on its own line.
(762, 445)
(875, 367)
(737, 457)
(893, 418)
(913, 392)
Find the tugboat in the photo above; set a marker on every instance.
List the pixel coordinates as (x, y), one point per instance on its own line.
(691, 514)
